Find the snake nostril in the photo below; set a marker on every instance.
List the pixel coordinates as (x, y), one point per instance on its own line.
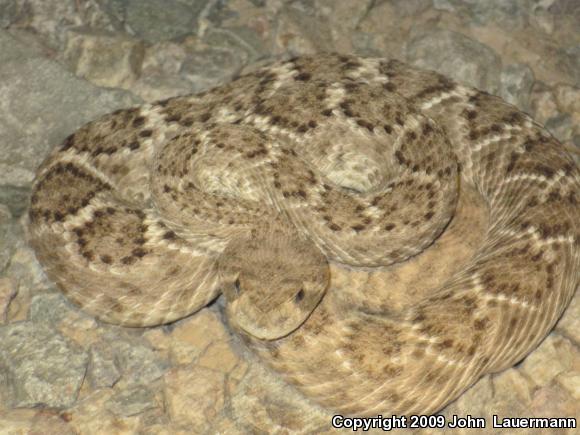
(299, 296)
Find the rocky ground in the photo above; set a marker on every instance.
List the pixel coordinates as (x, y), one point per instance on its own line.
(65, 62)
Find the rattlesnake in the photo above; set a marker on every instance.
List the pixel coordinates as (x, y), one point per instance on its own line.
(145, 215)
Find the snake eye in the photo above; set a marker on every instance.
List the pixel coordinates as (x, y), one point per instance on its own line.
(237, 287)
(299, 296)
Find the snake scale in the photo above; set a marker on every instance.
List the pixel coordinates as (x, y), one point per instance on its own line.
(147, 214)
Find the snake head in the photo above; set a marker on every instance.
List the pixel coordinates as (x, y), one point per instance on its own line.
(272, 281)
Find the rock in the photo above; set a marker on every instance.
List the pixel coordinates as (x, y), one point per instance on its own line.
(543, 20)
(34, 421)
(568, 98)
(55, 311)
(103, 370)
(7, 293)
(138, 363)
(301, 31)
(27, 125)
(193, 375)
(29, 278)
(160, 77)
(194, 336)
(474, 401)
(516, 85)
(344, 20)
(570, 382)
(555, 355)
(512, 14)
(569, 61)
(91, 416)
(104, 58)
(576, 141)
(132, 401)
(10, 12)
(569, 324)
(219, 56)
(457, 56)
(51, 18)
(407, 8)
(219, 356)
(50, 309)
(262, 402)
(552, 401)
(194, 396)
(39, 366)
(513, 390)
(8, 236)
(15, 198)
(159, 20)
(208, 67)
(543, 103)
(561, 126)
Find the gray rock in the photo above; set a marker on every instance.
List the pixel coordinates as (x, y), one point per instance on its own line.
(569, 61)
(114, 10)
(221, 56)
(103, 370)
(445, 5)
(7, 236)
(512, 13)
(159, 20)
(247, 40)
(10, 12)
(209, 67)
(561, 126)
(46, 104)
(15, 198)
(457, 56)
(516, 85)
(406, 8)
(39, 366)
(132, 401)
(51, 18)
(13, 49)
(50, 309)
(218, 11)
(301, 22)
(138, 363)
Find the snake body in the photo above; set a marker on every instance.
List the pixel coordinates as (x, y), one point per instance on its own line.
(145, 215)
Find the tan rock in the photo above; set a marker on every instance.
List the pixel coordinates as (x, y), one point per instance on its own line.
(104, 58)
(35, 421)
(91, 416)
(194, 335)
(301, 32)
(570, 381)
(553, 401)
(568, 98)
(219, 356)
(543, 103)
(79, 327)
(194, 396)
(161, 341)
(511, 385)
(554, 356)
(226, 425)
